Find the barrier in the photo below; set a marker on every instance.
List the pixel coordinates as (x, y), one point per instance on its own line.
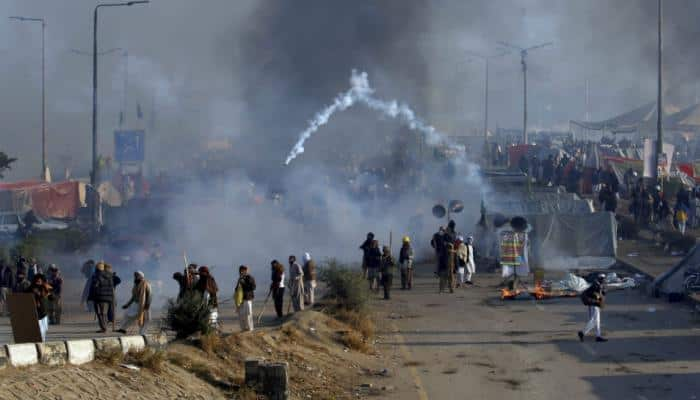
(107, 344)
(80, 351)
(22, 355)
(136, 343)
(52, 353)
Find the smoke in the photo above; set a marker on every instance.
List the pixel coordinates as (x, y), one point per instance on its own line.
(361, 92)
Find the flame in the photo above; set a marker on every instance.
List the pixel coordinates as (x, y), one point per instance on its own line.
(509, 294)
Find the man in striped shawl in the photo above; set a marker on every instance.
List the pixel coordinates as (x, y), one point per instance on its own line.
(138, 305)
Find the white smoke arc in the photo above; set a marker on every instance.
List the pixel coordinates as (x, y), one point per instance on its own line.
(361, 92)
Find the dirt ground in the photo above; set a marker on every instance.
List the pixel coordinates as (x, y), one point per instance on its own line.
(321, 367)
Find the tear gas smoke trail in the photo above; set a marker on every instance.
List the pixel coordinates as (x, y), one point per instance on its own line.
(361, 92)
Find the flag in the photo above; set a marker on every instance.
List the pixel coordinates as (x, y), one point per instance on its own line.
(139, 112)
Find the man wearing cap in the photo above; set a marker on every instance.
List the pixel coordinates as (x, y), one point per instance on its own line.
(138, 305)
(594, 297)
(406, 262)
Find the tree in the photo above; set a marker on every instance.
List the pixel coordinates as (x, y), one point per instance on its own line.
(5, 163)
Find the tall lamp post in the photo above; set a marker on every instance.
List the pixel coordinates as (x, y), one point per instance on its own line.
(125, 58)
(523, 60)
(44, 175)
(486, 60)
(95, 166)
(659, 97)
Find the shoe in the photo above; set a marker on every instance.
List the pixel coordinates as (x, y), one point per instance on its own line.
(101, 331)
(123, 331)
(600, 339)
(580, 336)
(469, 282)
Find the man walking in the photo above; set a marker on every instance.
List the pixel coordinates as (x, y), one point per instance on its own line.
(374, 262)
(365, 246)
(406, 262)
(101, 294)
(138, 305)
(471, 264)
(309, 280)
(296, 284)
(594, 297)
(7, 282)
(246, 288)
(277, 287)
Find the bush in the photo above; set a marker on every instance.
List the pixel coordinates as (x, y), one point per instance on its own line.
(345, 286)
(361, 322)
(146, 358)
(188, 315)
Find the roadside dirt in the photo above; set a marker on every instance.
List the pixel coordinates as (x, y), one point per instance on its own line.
(321, 367)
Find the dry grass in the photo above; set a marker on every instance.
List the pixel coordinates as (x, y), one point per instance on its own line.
(210, 343)
(203, 371)
(353, 340)
(413, 363)
(111, 356)
(147, 358)
(361, 322)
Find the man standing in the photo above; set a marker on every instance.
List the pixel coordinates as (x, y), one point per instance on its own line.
(365, 246)
(296, 284)
(406, 262)
(594, 297)
(387, 268)
(471, 264)
(462, 253)
(446, 270)
(374, 262)
(7, 283)
(438, 244)
(246, 286)
(101, 294)
(309, 280)
(138, 305)
(41, 292)
(87, 270)
(34, 269)
(277, 287)
(55, 280)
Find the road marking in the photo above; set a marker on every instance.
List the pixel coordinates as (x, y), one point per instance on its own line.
(422, 395)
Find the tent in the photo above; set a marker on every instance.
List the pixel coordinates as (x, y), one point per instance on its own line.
(672, 280)
(49, 200)
(626, 123)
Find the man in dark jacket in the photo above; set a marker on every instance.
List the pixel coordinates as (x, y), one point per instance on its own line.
(41, 291)
(102, 294)
(7, 283)
(277, 287)
(365, 246)
(22, 284)
(374, 263)
(388, 265)
(594, 298)
(246, 285)
(55, 301)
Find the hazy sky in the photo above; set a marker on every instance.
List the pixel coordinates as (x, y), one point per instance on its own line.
(257, 70)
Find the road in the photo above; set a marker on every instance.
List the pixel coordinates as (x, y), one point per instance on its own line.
(470, 344)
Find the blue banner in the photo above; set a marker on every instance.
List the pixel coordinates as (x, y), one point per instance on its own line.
(129, 146)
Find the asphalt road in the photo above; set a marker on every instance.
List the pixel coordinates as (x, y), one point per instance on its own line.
(470, 344)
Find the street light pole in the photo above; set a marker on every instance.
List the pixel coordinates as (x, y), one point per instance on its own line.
(44, 175)
(659, 97)
(95, 166)
(486, 60)
(523, 61)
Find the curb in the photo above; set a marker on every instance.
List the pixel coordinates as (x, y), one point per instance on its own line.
(75, 352)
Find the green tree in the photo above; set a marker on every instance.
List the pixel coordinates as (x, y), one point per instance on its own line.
(5, 163)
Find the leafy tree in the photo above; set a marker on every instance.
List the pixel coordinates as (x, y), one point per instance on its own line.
(5, 163)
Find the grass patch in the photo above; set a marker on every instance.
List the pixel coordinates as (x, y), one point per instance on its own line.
(353, 340)
(112, 356)
(147, 358)
(210, 343)
(361, 322)
(200, 370)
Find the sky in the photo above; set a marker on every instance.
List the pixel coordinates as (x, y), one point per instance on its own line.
(257, 71)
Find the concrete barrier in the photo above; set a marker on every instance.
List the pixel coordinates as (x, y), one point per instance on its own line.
(52, 353)
(3, 358)
(80, 351)
(107, 344)
(22, 355)
(156, 340)
(136, 343)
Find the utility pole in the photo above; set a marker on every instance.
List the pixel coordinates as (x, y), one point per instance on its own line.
(44, 165)
(95, 166)
(486, 60)
(659, 97)
(523, 61)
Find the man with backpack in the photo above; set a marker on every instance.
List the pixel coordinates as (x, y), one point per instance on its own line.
(594, 298)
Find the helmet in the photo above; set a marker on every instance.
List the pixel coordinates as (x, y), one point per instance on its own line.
(406, 239)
